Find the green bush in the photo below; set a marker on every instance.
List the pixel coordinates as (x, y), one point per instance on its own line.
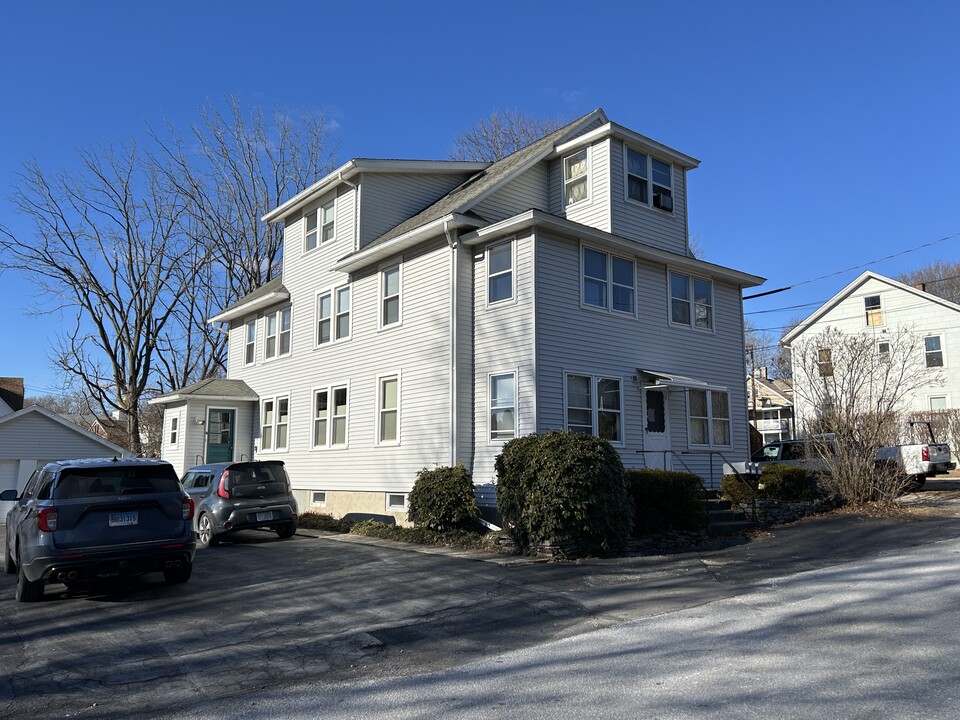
(322, 521)
(564, 487)
(664, 500)
(420, 535)
(739, 491)
(786, 483)
(443, 499)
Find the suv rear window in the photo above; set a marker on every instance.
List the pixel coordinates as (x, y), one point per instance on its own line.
(95, 482)
(256, 479)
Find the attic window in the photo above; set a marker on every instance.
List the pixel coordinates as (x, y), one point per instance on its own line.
(871, 305)
(825, 362)
(576, 178)
(642, 172)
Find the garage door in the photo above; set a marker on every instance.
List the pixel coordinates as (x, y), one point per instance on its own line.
(8, 479)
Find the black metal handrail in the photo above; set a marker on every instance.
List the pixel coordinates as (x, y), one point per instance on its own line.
(743, 481)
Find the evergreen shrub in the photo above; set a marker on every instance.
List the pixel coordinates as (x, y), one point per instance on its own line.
(442, 499)
(665, 500)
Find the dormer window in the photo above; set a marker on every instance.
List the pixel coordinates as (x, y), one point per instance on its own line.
(576, 178)
(320, 226)
(643, 172)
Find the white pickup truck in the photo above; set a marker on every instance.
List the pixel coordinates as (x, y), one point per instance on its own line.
(919, 460)
(781, 452)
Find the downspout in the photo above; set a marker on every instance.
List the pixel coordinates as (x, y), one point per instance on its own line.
(356, 209)
(453, 244)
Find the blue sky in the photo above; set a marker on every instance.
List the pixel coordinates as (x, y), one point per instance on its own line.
(828, 131)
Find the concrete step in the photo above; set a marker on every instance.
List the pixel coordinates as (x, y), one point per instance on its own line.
(723, 519)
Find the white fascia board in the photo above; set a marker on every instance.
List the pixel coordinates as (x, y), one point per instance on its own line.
(375, 254)
(359, 165)
(538, 218)
(178, 397)
(249, 307)
(622, 133)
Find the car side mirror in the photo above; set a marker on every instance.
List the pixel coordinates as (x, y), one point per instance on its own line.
(9, 495)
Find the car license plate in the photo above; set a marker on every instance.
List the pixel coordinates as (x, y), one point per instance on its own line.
(261, 516)
(124, 518)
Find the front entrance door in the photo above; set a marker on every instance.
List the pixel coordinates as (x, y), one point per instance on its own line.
(220, 427)
(656, 429)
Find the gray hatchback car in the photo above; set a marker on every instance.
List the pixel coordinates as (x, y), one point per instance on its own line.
(239, 496)
(82, 519)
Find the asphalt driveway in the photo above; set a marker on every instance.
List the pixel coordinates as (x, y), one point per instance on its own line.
(263, 614)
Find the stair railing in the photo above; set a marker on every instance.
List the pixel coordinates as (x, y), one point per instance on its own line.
(752, 493)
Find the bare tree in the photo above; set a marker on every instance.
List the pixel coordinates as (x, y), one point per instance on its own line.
(107, 245)
(501, 134)
(851, 398)
(937, 278)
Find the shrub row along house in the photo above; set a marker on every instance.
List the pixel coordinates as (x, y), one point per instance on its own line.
(430, 311)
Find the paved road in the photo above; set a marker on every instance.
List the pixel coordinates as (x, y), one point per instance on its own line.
(263, 617)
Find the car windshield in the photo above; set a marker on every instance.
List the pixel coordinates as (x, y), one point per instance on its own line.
(767, 452)
(100, 481)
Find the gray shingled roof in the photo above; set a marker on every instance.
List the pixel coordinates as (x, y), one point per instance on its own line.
(212, 387)
(460, 197)
(271, 286)
(11, 392)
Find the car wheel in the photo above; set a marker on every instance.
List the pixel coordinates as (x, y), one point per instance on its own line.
(9, 566)
(287, 531)
(27, 590)
(205, 534)
(177, 575)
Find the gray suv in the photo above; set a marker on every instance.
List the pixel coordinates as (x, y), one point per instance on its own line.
(82, 519)
(239, 496)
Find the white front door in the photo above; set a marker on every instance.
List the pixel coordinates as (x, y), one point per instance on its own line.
(656, 429)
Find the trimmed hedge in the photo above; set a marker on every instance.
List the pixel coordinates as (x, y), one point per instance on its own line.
(443, 499)
(786, 483)
(564, 487)
(664, 500)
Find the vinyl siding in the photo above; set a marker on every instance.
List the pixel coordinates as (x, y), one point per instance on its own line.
(529, 190)
(619, 345)
(465, 356)
(504, 341)
(418, 350)
(901, 309)
(642, 223)
(389, 199)
(38, 437)
(594, 212)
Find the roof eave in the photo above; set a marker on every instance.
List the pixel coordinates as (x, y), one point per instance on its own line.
(371, 255)
(180, 397)
(250, 307)
(618, 131)
(532, 218)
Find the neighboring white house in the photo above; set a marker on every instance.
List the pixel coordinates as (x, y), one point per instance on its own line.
(881, 308)
(771, 406)
(430, 311)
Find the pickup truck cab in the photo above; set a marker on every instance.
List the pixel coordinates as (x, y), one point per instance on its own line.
(919, 460)
(800, 453)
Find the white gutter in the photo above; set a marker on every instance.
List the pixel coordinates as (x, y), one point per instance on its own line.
(454, 272)
(247, 308)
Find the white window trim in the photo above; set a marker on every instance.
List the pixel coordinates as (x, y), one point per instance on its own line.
(381, 410)
(729, 419)
(313, 498)
(516, 407)
(278, 314)
(275, 424)
(247, 343)
(329, 389)
(609, 281)
(650, 157)
(381, 297)
(946, 400)
(334, 312)
(175, 430)
(595, 403)
(346, 417)
(943, 352)
(563, 176)
(692, 301)
(395, 508)
(513, 272)
(883, 315)
(317, 213)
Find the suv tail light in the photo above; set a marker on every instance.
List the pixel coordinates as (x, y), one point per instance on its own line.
(222, 486)
(47, 519)
(186, 508)
(925, 453)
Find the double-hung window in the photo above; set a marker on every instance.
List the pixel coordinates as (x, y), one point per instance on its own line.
(175, 431)
(274, 423)
(608, 281)
(873, 310)
(390, 296)
(644, 171)
(933, 351)
(330, 417)
(250, 343)
(709, 417)
(691, 301)
(503, 406)
(500, 272)
(825, 362)
(594, 406)
(278, 334)
(576, 178)
(320, 226)
(333, 315)
(388, 419)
